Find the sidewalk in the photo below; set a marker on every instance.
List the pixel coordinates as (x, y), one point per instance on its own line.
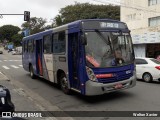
(21, 100)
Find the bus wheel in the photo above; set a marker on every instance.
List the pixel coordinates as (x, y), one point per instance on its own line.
(64, 84)
(31, 72)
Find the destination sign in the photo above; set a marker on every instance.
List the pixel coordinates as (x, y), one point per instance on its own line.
(103, 25)
(109, 25)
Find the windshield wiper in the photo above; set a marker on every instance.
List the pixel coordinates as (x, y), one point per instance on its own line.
(107, 41)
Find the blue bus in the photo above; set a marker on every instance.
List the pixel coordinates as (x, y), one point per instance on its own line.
(91, 56)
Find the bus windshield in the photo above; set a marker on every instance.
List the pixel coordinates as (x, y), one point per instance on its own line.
(108, 49)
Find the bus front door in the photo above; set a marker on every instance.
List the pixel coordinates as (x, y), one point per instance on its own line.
(39, 57)
(74, 68)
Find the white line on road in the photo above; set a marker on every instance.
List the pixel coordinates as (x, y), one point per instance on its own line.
(0, 61)
(14, 66)
(2, 76)
(5, 67)
(17, 60)
(11, 60)
(20, 65)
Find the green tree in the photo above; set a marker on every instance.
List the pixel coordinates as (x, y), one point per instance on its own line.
(35, 25)
(17, 39)
(58, 20)
(7, 31)
(86, 11)
(48, 27)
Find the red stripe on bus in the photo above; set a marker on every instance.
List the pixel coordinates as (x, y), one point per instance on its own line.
(104, 75)
(40, 65)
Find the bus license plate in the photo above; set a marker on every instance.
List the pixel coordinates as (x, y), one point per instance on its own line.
(118, 86)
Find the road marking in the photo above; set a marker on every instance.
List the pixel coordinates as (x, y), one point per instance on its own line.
(5, 67)
(11, 60)
(2, 76)
(0, 61)
(17, 60)
(14, 66)
(20, 65)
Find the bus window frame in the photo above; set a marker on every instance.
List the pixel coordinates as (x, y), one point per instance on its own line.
(26, 46)
(23, 46)
(62, 53)
(44, 44)
(31, 47)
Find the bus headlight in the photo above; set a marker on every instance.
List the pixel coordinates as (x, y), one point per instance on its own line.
(91, 74)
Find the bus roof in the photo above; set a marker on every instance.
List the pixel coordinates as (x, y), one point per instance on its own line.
(66, 26)
(37, 34)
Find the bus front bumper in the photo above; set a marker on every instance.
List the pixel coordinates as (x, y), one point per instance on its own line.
(94, 88)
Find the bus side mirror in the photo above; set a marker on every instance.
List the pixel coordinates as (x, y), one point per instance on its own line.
(83, 40)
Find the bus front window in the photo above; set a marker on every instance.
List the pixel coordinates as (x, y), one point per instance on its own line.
(106, 49)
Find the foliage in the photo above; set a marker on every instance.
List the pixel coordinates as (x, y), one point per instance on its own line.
(35, 25)
(17, 39)
(48, 27)
(86, 11)
(7, 31)
(58, 20)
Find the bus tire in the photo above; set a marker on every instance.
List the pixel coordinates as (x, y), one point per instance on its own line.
(31, 72)
(64, 84)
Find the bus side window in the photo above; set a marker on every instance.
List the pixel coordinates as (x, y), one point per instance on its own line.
(47, 44)
(61, 39)
(30, 46)
(26, 46)
(55, 43)
(59, 42)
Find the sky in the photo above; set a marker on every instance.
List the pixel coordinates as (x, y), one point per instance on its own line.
(46, 9)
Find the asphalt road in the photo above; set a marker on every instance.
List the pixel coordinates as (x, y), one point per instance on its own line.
(143, 97)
